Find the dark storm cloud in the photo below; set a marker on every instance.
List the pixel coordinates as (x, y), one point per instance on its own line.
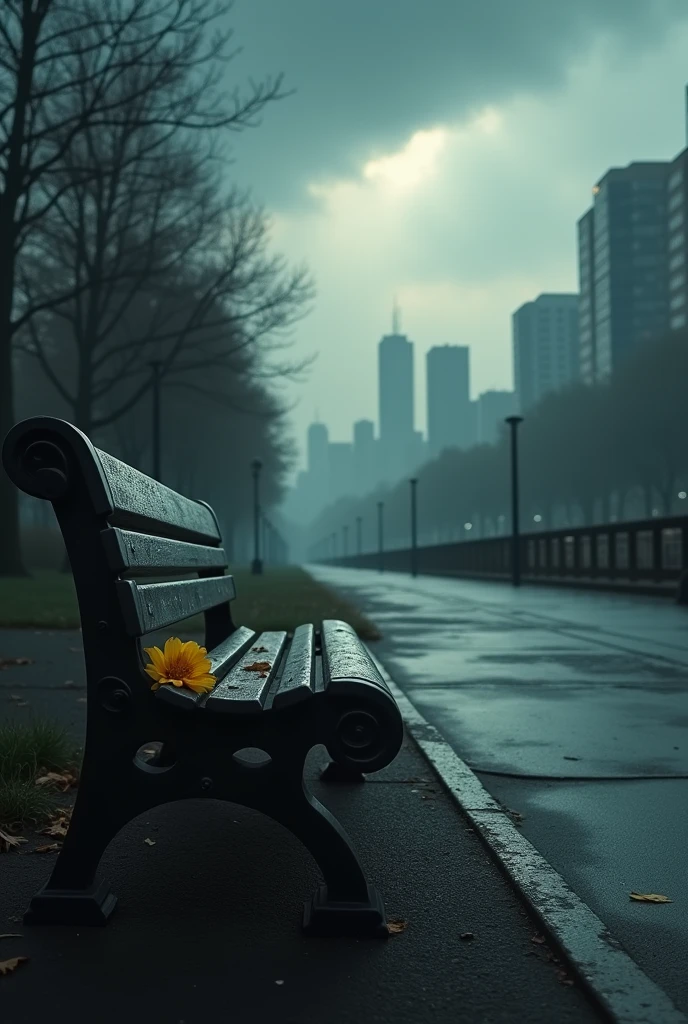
(369, 72)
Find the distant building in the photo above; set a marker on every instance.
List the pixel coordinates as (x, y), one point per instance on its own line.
(493, 408)
(677, 240)
(545, 347)
(318, 463)
(586, 304)
(341, 459)
(395, 382)
(448, 398)
(623, 265)
(364, 456)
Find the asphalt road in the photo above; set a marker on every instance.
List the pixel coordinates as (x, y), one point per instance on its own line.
(572, 708)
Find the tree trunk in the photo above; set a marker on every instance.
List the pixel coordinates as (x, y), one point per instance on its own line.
(11, 563)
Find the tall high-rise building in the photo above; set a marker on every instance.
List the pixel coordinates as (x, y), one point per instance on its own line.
(677, 229)
(586, 303)
(448, 398)
(624, 269)
(545, 347)
(493, 409)
(395, 382)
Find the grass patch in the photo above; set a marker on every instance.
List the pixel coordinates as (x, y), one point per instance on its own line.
(22, 802)
(26, 750)
(281, 598)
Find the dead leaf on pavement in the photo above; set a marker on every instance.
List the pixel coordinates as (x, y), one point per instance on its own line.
(150, 842)
(467, 936)
(63, 780)
(57, 828)
(7, 841)
(650, 897)
(6, 662)
(11, 965)
(538, 939)
(396, 926)
(48, 848)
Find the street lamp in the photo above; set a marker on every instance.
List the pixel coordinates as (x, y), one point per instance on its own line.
(257, 565)
(345, 541)
(380, 546)
(513, 422)
(359, 535)
(155, 365)
(414, 551)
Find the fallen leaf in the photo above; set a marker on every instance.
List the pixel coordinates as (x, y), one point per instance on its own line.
(57, 828)
(11, 965)
(48, 848)
(258, 666)
(11, 935)
(650, 897)
(6, 662)
(7, 841)
(396, 926)
(538, 939)
(467, 936)
(151, 842)
(63, 780)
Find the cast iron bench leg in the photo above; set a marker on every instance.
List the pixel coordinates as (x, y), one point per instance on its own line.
(70, 896)
(346, 904)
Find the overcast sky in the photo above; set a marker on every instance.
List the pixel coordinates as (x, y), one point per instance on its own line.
(443, 151)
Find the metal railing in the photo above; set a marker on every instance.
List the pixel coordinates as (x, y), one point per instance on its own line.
(650, 551)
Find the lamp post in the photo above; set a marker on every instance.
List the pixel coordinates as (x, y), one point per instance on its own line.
(513, 422)
(359, 535)
(414, 546)
(345, 541)
(155, 365)
(380, 545)
(334, 545)
(257, 565)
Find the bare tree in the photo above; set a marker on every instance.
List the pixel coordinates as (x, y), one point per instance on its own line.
(67, 68)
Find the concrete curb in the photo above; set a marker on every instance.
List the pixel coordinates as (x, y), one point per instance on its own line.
(615, 981)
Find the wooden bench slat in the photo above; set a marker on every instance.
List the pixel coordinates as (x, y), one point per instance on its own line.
(150, 606)
(126, 550)
(144, 503)
(243, 691)
(346, 661)
(298, 676)
(222, 658)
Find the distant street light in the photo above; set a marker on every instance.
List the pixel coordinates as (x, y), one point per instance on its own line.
(359, 535)
(537, 519)
(334, 545)
(682, 494)
(513, 422)
(414, 551)
(345, 541)
(468, 526)
(257, 565)
(380, 546)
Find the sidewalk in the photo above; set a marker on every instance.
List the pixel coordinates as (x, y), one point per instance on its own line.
(572, 710)
(208, 919)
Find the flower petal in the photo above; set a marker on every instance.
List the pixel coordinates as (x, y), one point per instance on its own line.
(156, 656)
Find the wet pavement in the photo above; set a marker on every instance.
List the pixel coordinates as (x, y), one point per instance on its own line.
(572, 708)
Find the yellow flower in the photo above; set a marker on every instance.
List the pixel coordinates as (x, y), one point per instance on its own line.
(181, 664)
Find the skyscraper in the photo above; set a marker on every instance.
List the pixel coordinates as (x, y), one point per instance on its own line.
(677, 212)
(448, 398)
(318, 463)
(395, 382)
(545, 347)
(624, 265)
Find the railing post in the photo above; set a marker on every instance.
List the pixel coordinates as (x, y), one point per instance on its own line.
(513, 422)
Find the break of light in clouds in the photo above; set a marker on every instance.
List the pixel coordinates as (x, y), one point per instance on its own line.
(466, 217)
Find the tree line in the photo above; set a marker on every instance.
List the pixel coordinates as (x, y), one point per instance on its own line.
(126, 251)
(588, 454)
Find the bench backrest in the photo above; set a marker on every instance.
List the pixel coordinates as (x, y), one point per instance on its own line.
(120, 525)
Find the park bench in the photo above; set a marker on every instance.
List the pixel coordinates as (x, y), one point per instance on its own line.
(123, 529)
